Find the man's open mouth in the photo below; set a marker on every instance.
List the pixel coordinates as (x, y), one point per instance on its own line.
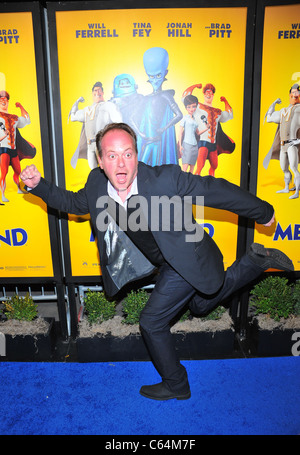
(121, 177)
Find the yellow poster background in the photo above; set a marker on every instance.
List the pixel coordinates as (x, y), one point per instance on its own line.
(22, 214)
(213, 53)
(280, 70)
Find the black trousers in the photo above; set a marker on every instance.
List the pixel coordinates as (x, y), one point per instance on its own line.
(170, 295)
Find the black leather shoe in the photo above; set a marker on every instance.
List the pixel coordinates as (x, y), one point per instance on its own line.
(161, 392)
(270, 258)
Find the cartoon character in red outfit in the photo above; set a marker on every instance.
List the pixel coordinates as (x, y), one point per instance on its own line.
(214, 141)
(13, 147)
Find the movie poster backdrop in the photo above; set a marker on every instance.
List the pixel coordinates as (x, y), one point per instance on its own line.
(278, 179)
(138, 65)
(25, 249)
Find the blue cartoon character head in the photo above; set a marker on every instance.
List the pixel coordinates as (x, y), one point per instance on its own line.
(156, 61)
(124, 84)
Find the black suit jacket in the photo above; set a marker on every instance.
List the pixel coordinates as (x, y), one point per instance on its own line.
(198, 259)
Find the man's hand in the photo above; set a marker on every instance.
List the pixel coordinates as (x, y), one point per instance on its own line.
(30, 176)
(271, 221)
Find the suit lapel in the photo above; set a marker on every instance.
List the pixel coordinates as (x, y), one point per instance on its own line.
(143, 178)
(143, 184)
(102, 185)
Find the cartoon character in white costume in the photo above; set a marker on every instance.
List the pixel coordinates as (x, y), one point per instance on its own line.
(94, 118)
(286, 145)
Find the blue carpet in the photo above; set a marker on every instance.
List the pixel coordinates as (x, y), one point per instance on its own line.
(229, 397)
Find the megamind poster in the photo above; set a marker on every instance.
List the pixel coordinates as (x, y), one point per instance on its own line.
(173, 75)
(25, 249)
(279, 144)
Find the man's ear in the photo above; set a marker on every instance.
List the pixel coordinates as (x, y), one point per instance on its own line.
(99, 161)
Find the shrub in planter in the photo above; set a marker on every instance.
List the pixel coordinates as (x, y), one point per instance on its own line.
(98, 308)
(107, 338)
(296, 298)
(135, 301)
(273, 296)
(20, 308)
(119, 338)
(133, 305)
(27, 336)
(276, 305)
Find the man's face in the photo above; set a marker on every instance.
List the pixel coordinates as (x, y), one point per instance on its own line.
(98, 95)
(208, 96)
(294, 96)
(3, 104)
(119, 160)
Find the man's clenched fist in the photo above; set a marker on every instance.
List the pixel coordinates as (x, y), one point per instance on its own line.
(30, 176)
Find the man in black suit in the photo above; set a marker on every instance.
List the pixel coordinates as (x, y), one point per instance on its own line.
(140, 214)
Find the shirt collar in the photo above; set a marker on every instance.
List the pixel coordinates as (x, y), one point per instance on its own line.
(113, 193)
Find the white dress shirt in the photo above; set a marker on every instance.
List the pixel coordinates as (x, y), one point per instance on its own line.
(113, 193)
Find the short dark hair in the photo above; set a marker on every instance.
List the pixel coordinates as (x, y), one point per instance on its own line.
(294, 87)
(98, 84)
(190, 99)
(111, 127)
(209, 87)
